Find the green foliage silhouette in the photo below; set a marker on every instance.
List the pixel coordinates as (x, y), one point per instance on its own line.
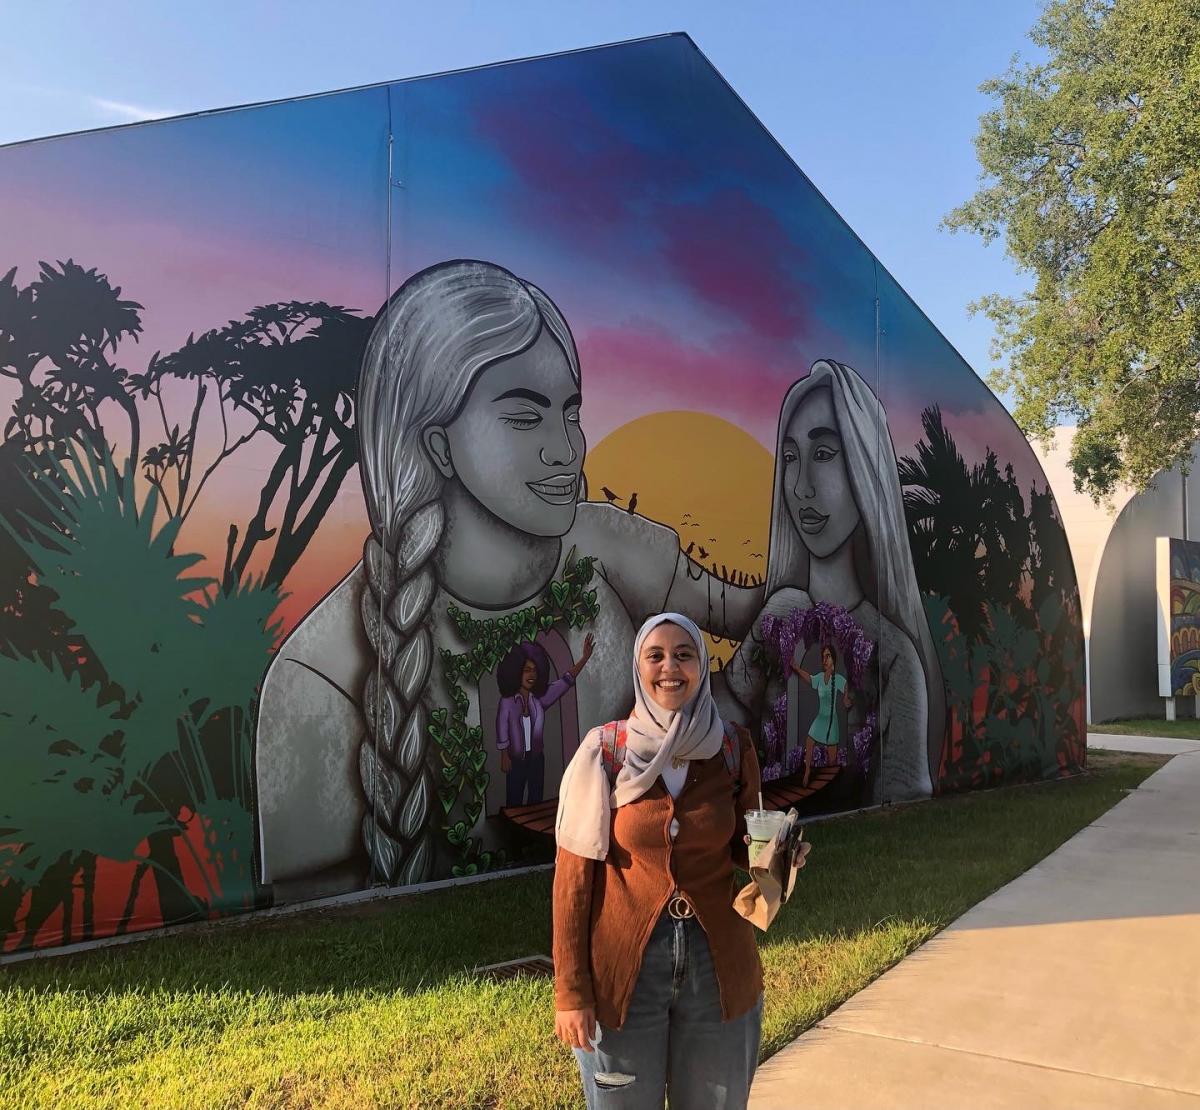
(1003, 608)
(163, 738)
(130, 678)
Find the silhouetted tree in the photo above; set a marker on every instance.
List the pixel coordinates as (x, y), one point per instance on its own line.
(286, 371)
(58, 345)
(181, 742)
(970, 539)
(1002, 603)
(58, 339)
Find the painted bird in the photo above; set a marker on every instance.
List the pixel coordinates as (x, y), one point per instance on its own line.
(633, 502)
(703, 553)
(610, 495)
(690, 547)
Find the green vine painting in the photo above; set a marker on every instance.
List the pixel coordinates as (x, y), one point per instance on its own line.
(567, 600)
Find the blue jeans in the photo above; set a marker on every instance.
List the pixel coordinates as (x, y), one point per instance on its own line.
(674, 1043)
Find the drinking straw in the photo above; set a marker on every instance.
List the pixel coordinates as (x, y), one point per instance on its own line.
(761, 807)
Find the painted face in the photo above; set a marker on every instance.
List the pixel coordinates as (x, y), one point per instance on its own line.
(517, 446)
(827, 661)
(816, 485)
(528, 675)
(669, 666)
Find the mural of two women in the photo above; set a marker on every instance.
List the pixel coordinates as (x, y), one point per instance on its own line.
(472, 462)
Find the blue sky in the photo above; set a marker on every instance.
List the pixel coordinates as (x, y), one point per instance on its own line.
(876, 102)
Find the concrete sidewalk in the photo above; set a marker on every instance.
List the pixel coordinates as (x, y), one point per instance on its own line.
(1157, 745)
(1076, 985)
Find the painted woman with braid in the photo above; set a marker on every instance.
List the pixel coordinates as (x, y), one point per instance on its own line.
(472, 467)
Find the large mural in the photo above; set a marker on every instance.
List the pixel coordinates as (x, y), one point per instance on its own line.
(349, 440)
(1178, 575)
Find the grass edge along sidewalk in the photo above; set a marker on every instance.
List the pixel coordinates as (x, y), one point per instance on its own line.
(1184, 728)
(373, 1005)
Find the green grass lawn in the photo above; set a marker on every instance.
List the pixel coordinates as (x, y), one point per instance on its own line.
(1150, 726)
(374, 1006)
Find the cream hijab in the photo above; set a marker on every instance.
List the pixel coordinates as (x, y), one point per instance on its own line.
(655, 738)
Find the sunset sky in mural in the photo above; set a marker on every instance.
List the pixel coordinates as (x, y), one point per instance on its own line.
(679, 241)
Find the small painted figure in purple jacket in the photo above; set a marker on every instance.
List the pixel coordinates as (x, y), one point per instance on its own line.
(525, 695)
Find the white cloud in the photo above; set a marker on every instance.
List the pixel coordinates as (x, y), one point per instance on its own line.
(128, 112)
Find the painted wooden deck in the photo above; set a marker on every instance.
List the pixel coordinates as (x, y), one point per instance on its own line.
(780, 794)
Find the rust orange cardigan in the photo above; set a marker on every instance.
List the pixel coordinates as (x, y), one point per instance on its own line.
(605, 911)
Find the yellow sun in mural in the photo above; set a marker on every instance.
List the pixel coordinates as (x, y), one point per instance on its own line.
(699, 474)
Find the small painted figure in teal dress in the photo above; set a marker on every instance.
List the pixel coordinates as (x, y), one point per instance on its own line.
(825, 729)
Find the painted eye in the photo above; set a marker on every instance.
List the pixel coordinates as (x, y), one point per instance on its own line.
(824, 453)
(521, 420)
(789, 457)
(573, 416)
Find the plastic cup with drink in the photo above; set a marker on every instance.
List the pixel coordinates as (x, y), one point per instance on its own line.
(763, 826)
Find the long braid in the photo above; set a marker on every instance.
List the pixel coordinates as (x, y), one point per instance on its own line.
(436, 334)
(394, 759)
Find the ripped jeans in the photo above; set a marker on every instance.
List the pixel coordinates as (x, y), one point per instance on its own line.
(674, 1043)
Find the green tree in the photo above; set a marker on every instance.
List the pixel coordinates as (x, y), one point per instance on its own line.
(1091, 171)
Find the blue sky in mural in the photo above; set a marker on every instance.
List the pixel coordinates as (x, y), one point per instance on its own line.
(696, 265)
(877, 102)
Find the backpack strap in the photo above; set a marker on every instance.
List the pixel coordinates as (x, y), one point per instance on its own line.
(731, 749)
(613, 738)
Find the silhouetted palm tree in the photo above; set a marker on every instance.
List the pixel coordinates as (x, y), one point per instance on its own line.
(967, 527)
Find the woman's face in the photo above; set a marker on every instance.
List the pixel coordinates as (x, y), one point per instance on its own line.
(827, 661)
(816, 485)
(528, 675)
(516, 445)
(669, 666)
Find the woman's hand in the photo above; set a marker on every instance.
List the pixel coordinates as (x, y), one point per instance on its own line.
(576, 1028)
(589, 644)
(505, 761)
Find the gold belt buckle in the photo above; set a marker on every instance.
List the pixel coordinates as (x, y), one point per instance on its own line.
(680, 908)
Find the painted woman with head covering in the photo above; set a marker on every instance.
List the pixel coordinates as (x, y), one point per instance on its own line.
(838, 536)
(658, 984)
(471, 456)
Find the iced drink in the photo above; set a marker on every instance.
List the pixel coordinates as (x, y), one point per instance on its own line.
(762, 825)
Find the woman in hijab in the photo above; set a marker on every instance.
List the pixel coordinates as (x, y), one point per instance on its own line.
(658, 985)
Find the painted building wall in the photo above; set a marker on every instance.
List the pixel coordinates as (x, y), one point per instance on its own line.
(1087, 524)
(351, 439)
(1123, 650)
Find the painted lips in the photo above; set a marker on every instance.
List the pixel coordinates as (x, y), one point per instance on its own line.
(558, 489)
(811, 522)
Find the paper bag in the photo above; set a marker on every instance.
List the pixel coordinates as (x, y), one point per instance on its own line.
(773, 876)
